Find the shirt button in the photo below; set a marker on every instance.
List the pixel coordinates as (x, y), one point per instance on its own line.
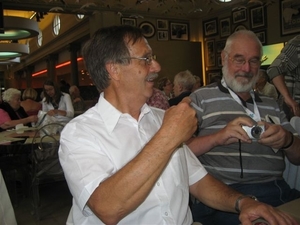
(166, 213)
(158, 184)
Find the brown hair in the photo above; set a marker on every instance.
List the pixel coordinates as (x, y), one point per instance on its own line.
(29, 93)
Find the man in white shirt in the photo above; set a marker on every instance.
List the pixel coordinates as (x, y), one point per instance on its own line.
(125, 162)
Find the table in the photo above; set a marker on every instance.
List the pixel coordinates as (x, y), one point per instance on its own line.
(13, 137)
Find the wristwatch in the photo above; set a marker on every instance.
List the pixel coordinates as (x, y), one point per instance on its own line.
(237, 202)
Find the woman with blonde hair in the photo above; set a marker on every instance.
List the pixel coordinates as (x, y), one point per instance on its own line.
(29, 103)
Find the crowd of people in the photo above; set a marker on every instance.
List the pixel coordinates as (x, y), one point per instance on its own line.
(180, 153)
(60, 103)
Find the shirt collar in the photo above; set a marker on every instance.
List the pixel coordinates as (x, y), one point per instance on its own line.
(225, 90)
(111, 115)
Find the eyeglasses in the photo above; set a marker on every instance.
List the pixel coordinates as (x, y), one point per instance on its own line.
(147, 59)
(240, 61)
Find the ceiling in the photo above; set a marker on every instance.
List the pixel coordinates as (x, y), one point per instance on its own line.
(183, 9)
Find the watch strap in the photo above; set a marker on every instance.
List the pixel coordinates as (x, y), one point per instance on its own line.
(237, 202)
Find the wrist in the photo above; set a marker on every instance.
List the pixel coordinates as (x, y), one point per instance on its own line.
(237, 206)
(289, 142)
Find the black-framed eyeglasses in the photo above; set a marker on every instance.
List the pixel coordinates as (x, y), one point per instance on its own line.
(239, 61)
(147, 59)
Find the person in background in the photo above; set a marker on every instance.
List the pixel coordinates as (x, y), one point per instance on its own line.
(64, 86)
(284, 73)
(29, 103)
(77, 100)
(56, 103)
(184, 82)
(158, 99)
(198, 83)
(243, 138)
(166, 86)
(11, 111)
(125, 162)
(263, 86)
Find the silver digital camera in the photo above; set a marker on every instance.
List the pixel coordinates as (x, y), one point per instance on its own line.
(255, 131)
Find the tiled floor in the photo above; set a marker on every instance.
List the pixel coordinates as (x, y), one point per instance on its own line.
(56, 203)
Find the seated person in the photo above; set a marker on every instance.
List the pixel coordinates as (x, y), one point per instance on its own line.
(77, 100)
(263, 86)
(158, 100)
(11, 111)
(183, 85)
(166, 86)
(253, 166)
(56, 103)
(29, 103)
(124, 161)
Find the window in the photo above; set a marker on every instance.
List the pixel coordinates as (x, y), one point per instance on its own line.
(80, 16)
(56, 25)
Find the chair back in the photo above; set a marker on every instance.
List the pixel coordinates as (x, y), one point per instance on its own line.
(45, 145)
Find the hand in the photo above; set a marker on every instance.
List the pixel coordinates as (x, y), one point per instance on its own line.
(234, 131)
(274, 136)
(252, 210)
(52, 112)
(179, 122)
(294, 106)
(32, 119)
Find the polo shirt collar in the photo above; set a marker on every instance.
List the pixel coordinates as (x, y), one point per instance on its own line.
(225, 90)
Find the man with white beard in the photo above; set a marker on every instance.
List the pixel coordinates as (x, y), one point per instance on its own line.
(243, 137)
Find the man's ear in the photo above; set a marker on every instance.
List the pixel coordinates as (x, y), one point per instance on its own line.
(112, 70)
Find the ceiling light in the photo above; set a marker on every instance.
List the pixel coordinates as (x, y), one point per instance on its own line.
(16, 28)
(12, 50)
(10, 61)
(224, 0)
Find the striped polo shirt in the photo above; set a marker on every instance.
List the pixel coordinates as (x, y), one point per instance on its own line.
(287, 63)
(215, 109)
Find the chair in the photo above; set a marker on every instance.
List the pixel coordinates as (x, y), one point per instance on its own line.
(45, 162)
(292, 173)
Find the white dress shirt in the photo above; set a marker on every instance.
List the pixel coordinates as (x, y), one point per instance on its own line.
(98, 143)
(65, 104)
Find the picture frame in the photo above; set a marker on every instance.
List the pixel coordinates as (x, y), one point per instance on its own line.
(148, 29)
(219, 61)
(262, 36)
(162, 35)
(128, 21)
(220, 45)
(239, 15)
(210, 27)
(179, 31)
(289, 17)
(240, 27)
(225, 27)
(213, 75)
(162, 24)
(257, 17)
(210, 53)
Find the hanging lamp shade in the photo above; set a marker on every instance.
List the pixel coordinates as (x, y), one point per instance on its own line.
(16, 28)
(12, 50)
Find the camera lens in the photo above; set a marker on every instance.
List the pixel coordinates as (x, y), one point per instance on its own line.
(256, 132)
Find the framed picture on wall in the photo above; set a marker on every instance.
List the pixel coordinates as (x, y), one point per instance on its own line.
(225, 27)
(289, 17)
(257, 17)
(262, 36)
(128, 21)
(239, 15)
(210, 53)
(179, 31)
(213, 76)
(147, 29)
(220, 45)
(162, 24)
(162, 35)
(210, 27)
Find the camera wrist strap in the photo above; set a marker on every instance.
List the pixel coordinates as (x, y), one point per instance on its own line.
(254, 115)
